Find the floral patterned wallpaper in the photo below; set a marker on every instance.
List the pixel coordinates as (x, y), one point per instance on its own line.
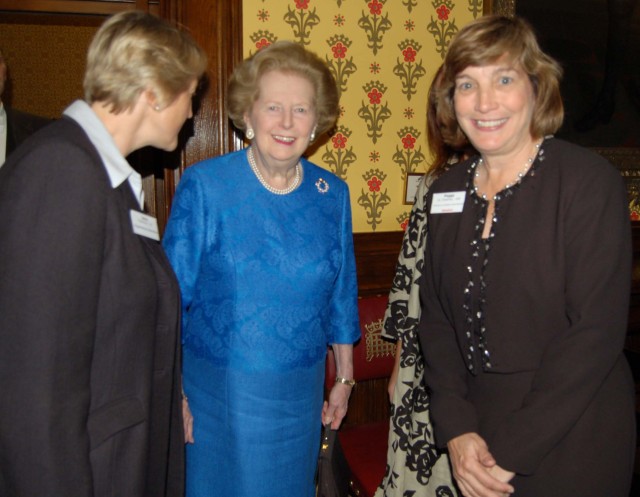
(383, 54)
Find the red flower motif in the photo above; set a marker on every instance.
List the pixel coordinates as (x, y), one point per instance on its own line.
(443, 12)
(374, 184)
(263, 42)
(339, 50)
(635, 216)
(409, 54)
(404, 224)
(339, 141)
(375, 7)
(408, 141)
(375, 97)
(302, 4)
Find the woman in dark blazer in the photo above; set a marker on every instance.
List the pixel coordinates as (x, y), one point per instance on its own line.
(527, 282)
(89, 306)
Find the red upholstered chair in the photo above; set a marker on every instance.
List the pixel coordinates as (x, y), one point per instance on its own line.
(365, 430)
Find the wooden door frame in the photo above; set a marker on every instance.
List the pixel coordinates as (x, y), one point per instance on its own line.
(217, 26)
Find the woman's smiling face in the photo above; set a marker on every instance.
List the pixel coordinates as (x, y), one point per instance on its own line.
(282, 118)
(494, 106)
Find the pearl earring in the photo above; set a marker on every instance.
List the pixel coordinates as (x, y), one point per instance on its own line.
(312, 136)
(250, 134)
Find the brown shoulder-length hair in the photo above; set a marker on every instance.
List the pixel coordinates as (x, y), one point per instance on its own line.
(290, 58)
(443, 154)
(483, 42)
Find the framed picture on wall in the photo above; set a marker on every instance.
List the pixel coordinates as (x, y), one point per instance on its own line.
(411, 183)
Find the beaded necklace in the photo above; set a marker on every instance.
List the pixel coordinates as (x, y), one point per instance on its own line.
(477, 351)
(517, 180)
(263, 182)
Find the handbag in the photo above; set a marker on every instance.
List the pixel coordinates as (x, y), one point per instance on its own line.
(333, 472)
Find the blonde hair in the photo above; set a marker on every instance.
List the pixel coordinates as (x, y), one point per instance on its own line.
(134, 51)
(290, 58)
(483, 42)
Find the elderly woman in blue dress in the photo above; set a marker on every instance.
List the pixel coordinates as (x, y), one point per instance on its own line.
(262, 244)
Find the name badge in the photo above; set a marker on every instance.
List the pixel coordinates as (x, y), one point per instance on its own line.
(448, 202)
(145, 225)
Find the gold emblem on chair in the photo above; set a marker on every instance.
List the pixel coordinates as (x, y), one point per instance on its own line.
(376, 346)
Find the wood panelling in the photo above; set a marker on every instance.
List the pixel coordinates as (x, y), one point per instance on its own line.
(97, 7)
(217, 26)
(45, 55)
(369, 403)
(376, 256)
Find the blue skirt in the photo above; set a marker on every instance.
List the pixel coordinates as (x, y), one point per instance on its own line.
(256, 433)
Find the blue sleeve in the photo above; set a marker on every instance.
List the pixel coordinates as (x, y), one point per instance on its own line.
(345, 326)
(184, 237)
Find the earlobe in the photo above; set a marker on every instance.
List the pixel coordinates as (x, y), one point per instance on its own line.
(248, 133)
(247, 121)
(152, 100)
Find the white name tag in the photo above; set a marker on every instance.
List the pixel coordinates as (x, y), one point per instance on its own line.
(448, 202)
(145, 225)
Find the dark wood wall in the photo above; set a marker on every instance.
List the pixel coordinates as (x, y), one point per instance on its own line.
(215, 24)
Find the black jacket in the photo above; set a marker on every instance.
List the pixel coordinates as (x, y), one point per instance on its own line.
(89, 316)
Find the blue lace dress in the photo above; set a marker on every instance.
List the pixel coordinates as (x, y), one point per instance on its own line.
(267, 282)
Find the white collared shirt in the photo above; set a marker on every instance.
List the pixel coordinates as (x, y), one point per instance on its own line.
(3, 134)
(117, 167)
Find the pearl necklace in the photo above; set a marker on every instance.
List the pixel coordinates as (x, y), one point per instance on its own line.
(263, 182)
(517, 180)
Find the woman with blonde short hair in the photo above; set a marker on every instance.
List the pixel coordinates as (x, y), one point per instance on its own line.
(89, 305)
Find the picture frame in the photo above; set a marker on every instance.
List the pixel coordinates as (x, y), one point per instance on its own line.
(627, 161)
(411, 183)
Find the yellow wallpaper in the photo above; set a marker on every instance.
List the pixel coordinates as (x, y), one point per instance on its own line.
(383, 54)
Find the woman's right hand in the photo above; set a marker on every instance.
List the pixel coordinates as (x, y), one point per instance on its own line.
(475, 469)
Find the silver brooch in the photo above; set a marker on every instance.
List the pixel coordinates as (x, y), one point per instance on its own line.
(322, 186)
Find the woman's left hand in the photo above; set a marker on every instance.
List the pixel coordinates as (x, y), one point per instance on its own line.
(334, 410)
(187, 419)
(501, 474)
(475, 469)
